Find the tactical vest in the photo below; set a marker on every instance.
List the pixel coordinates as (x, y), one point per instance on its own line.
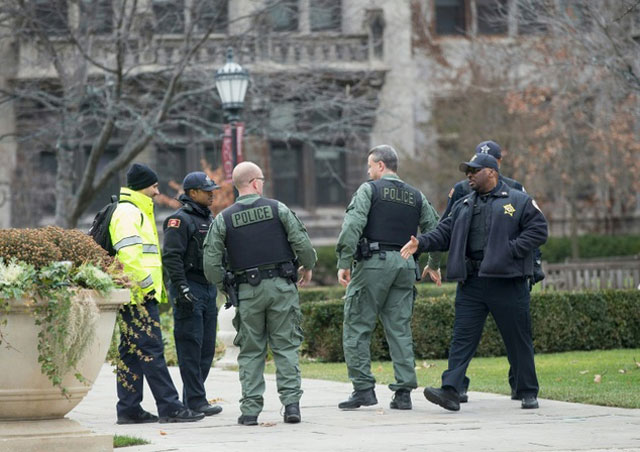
(395, 212)
(255, 235)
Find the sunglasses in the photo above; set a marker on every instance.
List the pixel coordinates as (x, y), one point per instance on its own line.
(473, 170)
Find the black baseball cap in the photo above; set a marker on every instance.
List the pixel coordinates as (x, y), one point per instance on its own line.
(489, 147)
(199, 180)
(479, 161)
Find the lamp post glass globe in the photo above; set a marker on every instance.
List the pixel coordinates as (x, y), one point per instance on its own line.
(232, 81)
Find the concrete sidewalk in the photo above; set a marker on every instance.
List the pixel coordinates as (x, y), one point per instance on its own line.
(487, 422)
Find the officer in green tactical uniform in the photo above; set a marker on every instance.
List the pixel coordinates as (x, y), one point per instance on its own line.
(381, 215)
(258, 241)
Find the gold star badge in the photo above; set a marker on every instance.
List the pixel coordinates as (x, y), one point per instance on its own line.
(509, 210)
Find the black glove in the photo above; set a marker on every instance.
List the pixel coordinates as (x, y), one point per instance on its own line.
(150, 296)
(185, 299)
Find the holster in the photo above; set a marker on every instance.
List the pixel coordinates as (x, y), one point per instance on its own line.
(363, 250)
(288, 270)
(231, 288)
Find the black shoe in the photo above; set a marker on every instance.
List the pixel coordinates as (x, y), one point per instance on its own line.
(366, 397)
(182, 415)
(514, 395)
(529, 402)
(464, 397)
(246, 419)
(144, 417)
(209, 410)
(401, 400)
(445, 397)
(292, 413)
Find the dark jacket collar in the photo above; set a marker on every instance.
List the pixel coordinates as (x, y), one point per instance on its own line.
(501, 190)
(191, 206)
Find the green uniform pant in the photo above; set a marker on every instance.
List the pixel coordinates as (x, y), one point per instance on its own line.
(268, 314)
(384, 288)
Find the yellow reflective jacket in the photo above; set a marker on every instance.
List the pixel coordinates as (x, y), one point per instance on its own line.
(135, 239)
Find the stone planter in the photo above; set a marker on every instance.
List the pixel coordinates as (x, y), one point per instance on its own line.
(27, 395)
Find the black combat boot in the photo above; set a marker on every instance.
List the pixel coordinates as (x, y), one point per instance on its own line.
(181, 415)
(365, 397)
(401, 400)
(292, 413)
(447, 397)
(529, 402)
(142, 417)
(247, 419)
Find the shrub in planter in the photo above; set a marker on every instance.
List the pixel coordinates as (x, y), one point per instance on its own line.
(40, 247)
(43, 270)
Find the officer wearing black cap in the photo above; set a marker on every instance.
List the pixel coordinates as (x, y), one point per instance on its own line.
(462, 189)
(135, 239)
(490, 234)
(194, 299)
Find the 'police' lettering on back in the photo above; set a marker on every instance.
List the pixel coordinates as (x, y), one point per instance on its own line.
(250, 216)
(398, 195)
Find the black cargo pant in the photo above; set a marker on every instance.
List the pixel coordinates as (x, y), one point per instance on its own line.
(147, 339)
(507, 299)
(195, 336)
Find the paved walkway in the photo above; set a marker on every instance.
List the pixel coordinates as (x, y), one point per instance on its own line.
(487, 423)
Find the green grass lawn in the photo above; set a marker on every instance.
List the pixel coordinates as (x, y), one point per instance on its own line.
(126, 441)
(562, 376)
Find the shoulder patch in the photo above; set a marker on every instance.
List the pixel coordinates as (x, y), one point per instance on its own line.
(451, 193)
(173, 223)
(535, 204)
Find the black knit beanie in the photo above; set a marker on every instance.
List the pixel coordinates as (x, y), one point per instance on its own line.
(140, 176)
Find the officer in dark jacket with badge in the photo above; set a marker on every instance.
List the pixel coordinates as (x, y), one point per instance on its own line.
(194, 299)
(462, 189)
(381, 217)
(257, 243)
(490, 235)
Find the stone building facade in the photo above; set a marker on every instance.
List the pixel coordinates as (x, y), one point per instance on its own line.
(384, 54)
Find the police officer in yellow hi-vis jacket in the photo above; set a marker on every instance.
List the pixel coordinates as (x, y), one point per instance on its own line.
(135, 239)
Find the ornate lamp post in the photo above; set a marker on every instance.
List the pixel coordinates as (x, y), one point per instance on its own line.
(232, 81)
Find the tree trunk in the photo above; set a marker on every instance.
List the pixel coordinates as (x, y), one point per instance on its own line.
(64, 185)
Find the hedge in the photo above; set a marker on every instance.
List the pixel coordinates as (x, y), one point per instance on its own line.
(557, 249)
(562, 321)
(335, 292)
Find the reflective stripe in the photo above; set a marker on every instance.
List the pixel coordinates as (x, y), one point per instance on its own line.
(133, 240)
(148, 281)
(151, 249)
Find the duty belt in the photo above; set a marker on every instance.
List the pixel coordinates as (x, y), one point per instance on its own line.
(382, 247)
(473, 266)
(264, 274)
